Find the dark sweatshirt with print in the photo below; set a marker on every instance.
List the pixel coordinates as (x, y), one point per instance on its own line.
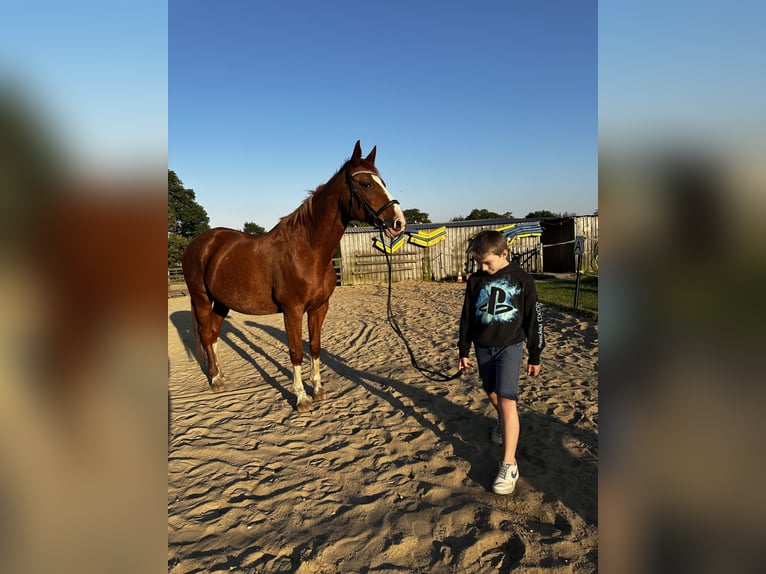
(501, 310)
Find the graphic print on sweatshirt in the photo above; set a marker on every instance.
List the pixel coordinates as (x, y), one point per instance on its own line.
(494, 302)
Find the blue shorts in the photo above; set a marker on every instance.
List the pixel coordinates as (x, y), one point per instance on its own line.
(499, 369)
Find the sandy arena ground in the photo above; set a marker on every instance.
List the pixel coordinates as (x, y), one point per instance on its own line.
(393, 472)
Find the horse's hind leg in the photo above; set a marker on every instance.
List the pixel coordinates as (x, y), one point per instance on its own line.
(217, 317)
(315, 320)
(209, 320)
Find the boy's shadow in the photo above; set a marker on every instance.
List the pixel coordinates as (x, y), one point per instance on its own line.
(542, 445)
(546, 460)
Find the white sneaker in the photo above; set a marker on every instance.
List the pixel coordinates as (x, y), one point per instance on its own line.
(497, 438)
(506, 479)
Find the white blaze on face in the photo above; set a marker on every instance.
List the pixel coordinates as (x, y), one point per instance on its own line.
(379, 181)
(398, 213)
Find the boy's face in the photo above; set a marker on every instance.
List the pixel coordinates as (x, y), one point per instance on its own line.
(491, 263)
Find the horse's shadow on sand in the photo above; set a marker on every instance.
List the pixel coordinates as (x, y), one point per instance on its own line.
(233, 337)
(541, 445)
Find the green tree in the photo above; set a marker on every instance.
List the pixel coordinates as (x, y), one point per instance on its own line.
(186, 218)
(190, 218)
(542, 213)
(478, 214)
(253, 228)
(415, 216)
(176, 246)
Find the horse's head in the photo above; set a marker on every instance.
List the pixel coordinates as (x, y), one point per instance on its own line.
(369, 198)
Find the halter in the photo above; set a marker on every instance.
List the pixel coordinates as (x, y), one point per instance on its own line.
(375, 215)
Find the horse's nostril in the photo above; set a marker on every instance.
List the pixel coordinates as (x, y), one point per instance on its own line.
(398, 225)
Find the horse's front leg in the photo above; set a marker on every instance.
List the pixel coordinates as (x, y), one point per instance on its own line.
(316, 319)
(294, 328)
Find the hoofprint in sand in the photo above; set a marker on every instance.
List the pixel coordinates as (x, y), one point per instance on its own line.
(393, 472)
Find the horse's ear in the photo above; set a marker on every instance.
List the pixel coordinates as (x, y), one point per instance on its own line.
(357, 155)
(371, 156)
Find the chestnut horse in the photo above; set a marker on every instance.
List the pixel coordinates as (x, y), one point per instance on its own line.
(287, 270)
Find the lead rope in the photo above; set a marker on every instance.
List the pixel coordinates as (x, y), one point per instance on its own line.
(426, 372)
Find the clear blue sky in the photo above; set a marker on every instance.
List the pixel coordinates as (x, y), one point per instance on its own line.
(489, 104)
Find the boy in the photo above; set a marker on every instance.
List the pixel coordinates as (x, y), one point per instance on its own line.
(500, 311)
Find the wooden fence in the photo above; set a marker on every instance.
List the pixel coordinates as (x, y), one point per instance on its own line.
(441, 260)
(587, 226)
(363, 263)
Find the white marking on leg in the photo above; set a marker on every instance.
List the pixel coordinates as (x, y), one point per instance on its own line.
(298, 388)
(316, 380)
(316, 377)
(215, 356)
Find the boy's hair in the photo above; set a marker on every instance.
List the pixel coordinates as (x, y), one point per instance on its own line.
(488, 241)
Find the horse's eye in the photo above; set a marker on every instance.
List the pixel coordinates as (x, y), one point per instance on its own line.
(366, 184)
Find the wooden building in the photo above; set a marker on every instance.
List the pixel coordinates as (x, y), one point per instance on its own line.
(558, 242)
(437, 251)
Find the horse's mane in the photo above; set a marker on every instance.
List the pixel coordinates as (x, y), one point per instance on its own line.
(304, 213)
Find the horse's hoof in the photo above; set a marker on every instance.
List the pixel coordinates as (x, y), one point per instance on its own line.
(217, 386)
(320, 395)
(303, 407)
